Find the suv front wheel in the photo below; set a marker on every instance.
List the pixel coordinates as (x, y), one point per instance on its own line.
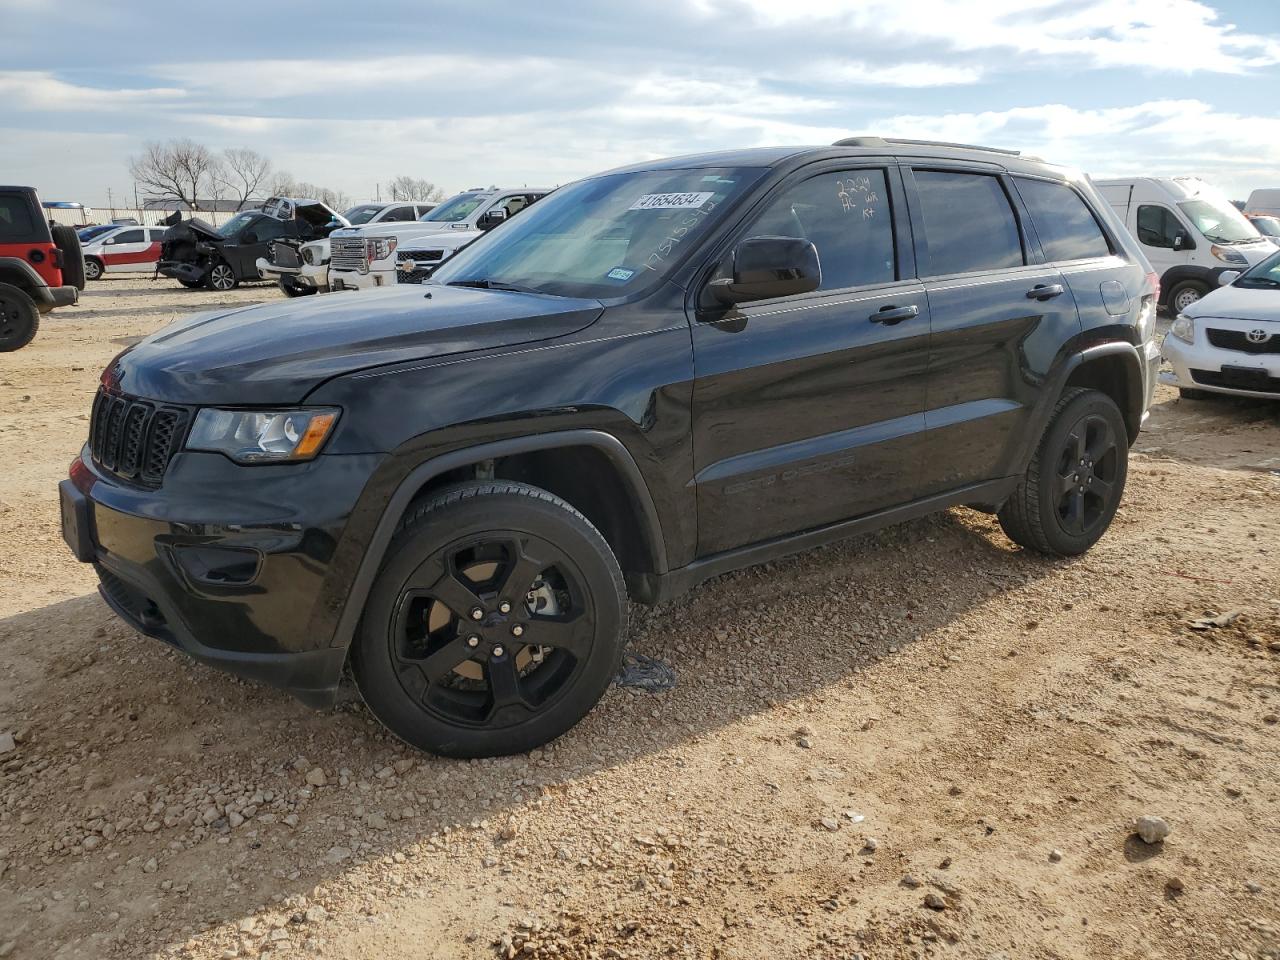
(1073, 485)
(221, 277)
(495, 624)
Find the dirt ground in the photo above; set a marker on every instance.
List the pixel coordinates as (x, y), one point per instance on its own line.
(923, 743)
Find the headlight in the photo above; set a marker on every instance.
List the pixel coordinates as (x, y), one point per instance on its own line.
(262, 436)
(1183, 328)
(1228, 256)
(380, 248)
(308, 255)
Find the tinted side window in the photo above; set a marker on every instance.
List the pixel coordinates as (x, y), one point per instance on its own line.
(399, 213)
(129, 236)
(1157, 226)
(968, 221)
(269, 228)
(846, 215)
(1064, 223)
(15, 217)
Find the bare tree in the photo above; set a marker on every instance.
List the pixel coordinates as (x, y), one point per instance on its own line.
(180, 170)
(241, 173)
(414, 188)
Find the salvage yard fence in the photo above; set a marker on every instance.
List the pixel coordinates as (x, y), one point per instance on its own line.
(84, 216)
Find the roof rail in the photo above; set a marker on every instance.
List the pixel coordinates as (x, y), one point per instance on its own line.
(885, 141)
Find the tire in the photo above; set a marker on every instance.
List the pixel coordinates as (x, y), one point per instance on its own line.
(1190, 393)
(93, 268)
(1062, 506)
(1184, 294)
(19, 318)
(193, 284)
(221, 277)
(291, 290)
(68, 241)
(452, 683)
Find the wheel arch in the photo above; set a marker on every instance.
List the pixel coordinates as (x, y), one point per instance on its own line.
(1116, 370)
(634, 534)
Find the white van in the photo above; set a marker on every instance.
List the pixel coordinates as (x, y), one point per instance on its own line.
(1263, 203)
(1189, 231)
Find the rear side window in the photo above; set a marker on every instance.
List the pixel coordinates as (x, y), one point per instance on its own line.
(129, 236)
(846, 216)
(15, 218)
(1157, 226)
(1064, 223)
(399, 213)
(968, 221)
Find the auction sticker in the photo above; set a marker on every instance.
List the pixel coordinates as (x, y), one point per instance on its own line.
(620, 273)
(671, 201)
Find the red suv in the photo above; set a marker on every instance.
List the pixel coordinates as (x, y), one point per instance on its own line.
(40, 266)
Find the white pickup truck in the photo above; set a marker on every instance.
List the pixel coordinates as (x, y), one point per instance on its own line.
(364, 258)
(301, 269)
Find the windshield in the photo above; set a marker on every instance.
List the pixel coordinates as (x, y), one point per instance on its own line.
(362, 214)
(604, 237)
(234, 225)
(1267, 226)
(456, 209)
(1219, 222)
(1261, 275)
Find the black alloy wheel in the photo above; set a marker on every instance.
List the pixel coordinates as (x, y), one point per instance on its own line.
(1074, 483)
(495, 623)
(1087, 470)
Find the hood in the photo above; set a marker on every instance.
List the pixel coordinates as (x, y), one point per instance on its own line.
(318, 214)
(1255, 251)
(403, 228)
(277, 352)
(1238, 303)
(193, 230)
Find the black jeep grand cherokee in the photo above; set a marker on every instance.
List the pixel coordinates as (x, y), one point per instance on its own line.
(654, 376)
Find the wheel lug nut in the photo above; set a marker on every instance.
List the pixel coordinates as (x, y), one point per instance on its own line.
(504, 607)
(517, 631)
(498, 651)
(477, 613)
(473, 641)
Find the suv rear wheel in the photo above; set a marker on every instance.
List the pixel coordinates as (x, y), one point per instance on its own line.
(495, 624)
(1074, 482)
(19, 318)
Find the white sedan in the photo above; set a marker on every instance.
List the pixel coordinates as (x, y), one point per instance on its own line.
(1229, 340)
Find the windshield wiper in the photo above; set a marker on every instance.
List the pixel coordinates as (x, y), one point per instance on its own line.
(492, 285)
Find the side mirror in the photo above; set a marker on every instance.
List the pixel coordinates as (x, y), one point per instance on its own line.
(492, 218)
(1227, 277)
(249, 237)
(768, 267)
(108, 240)
(1182, 241)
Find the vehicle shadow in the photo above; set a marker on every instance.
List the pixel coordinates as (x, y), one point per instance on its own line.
(162, 726)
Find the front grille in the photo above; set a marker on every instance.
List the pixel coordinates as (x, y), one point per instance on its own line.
(1233, 379)
(1239, 340)
(420, 273)
(135, 439)
(347, 253)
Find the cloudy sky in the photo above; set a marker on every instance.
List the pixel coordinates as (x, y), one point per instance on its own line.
(464, 92)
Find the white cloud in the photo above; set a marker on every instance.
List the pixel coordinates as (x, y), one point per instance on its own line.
(40, 90)
(1181, 36)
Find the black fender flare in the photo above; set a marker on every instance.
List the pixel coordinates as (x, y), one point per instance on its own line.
(25, 270)
(1057, 382)
(399, 501)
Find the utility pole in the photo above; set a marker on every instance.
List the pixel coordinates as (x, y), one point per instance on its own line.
(111, 204)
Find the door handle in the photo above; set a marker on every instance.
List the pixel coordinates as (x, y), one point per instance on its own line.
(1045, 291)
(891, 314)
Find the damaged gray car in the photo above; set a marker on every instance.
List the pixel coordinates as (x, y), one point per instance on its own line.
(197, 254)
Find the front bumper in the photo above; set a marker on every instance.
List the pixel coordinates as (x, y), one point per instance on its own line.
(354, 280)
(1200, 365)
(307, 276)
(241, 581)
(182, 270)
